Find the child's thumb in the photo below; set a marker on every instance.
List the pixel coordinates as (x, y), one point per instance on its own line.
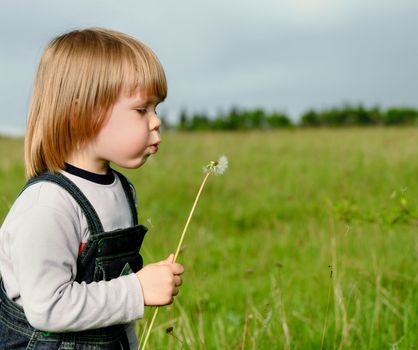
(170, 259)
(166, 261)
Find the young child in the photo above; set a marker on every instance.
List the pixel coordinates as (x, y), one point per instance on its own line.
(72, 276)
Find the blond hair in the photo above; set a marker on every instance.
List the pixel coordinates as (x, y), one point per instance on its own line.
(79, 78)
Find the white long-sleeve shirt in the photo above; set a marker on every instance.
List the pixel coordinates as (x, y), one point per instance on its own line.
(39, 245)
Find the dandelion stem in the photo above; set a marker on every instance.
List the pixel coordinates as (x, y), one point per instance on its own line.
(154, 316)
(190, 217)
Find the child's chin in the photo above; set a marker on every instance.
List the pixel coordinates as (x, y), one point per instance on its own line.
(133, 164)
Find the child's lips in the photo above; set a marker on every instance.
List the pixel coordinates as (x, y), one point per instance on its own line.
(154, 147)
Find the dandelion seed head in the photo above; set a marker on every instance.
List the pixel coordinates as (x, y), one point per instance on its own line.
(216, 167)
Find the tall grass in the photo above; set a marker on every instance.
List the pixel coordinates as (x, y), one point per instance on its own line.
(261, 242)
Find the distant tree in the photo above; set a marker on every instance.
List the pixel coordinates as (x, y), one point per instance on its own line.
(343, 116)
(256, 119)
(199, 122)
(347, 115)
(277, 120)
(230, 121)
(375, 114)
(183, 120)
(165, 125)
(311, 118)
(400, 116)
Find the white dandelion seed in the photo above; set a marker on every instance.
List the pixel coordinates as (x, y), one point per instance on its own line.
(216, 167)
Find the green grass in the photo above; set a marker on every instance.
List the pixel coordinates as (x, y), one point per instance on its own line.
(292, 207)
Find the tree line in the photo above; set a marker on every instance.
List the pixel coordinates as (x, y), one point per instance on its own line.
(347, 115)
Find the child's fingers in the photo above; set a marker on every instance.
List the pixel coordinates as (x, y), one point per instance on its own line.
(177, 269)
(177, 281)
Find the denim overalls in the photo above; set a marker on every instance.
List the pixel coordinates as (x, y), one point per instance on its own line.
(106, 255)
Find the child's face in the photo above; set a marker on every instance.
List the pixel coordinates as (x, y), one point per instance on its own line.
(130, 134)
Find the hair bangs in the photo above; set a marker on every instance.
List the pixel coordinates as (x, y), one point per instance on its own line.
(143, 70)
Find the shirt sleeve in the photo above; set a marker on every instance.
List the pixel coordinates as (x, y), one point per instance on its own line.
(44, 252)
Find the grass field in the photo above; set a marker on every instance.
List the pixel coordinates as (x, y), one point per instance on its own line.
(308, 241)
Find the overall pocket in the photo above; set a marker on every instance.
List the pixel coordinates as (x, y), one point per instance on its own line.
(110, 267)
(106, 254)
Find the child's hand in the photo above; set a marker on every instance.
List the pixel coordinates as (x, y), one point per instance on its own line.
(160, 281)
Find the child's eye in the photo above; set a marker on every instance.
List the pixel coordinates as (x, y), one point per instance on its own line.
(142, 111)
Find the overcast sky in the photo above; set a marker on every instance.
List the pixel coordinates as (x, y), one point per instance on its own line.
(283, 55)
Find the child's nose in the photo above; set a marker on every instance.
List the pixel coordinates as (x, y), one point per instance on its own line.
(155, 122)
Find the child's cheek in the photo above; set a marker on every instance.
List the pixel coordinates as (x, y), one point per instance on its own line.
(134, 142)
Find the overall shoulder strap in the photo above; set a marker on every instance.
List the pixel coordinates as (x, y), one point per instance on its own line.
(129, 193)
(93, 221)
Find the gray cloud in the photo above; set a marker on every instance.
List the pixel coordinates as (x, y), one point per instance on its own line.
(286, 55)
